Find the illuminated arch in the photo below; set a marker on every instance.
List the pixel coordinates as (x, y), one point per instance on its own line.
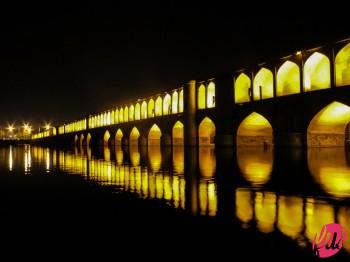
(108, 118)
(106, 138)
(342, 66)
(112, 117)
(81, 140)
(134, 136)
(179, 160)
(121, 115)
(104, 119)
(116, 116)
(158, 106)
(330, 168)
(327, 128)
(118, 137)
(254, 130)
(255, 164)
(76, 140)
(290, 215)
(154, 135)
(144, 110)
(207, 162)
(288, 79)
(167, 105)
(126, 114)
(201, 103)
(181, 101)
(131, 113)
(178, 134)
(206, 132)
(98, 121)
(265, 211)
(137, 111)
(317, 72)
(175, 102)
(211, 95)
(242, 87)
(151, 112)
(88, 140)
(135, 156)
(155, 158)
(263, 82)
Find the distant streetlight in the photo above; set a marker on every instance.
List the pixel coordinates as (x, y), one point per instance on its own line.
(47, 126)
(10, 128)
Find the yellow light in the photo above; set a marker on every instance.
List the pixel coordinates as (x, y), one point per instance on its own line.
(206, 132)
(207, 162)
(242, 86)
(47, 126)
(201, 97)
(290, 215)
(10, 128)
(298, 53)
(316, 72)
(134, 136)
(211, 95)
(154, 135)
(178, 134)
(288, 79)
(342, 66)
(263, 84)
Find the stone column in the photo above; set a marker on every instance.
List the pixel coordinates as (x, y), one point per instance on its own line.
(190, 128)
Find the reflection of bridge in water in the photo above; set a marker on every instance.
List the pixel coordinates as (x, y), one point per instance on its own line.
(156, 173)
(301, 99)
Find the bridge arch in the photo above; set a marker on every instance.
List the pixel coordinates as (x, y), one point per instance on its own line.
(158, 106)
(126, 114)
(211, 95)
(317, 72)
(131, 112)
(178, 134)
(328, 126)
(201, 96)
(119, 137)
(175, 102)
(263, 84)
(88, 140)
(154, 135)
(151, 108)
(134, 137)
(144, 110)
(206, 132)
(242, 87)
(76, 139)
(342, 66)
(106, 138)
(288, 79)
(116, 116)
(255, 130)
(112, 117)
(137, 111)
(181, 101)
(81, 139)
(167, 105)
(121, 115)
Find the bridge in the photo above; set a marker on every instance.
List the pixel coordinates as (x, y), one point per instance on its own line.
(302, 99)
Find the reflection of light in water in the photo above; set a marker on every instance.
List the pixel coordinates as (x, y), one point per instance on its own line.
(329, 168)
(178, 159)
(88, 153)
(290, 215)
(155, 157)
(265, 211)
(27, 159)
(106, 153)
(47, 160)
(244, 205)
(10, 158)
(207, 161)
(207, 198)
(119, 156)
(344, 220)
(134, 155)
(145, 182)
(255, 163)
(317, 215)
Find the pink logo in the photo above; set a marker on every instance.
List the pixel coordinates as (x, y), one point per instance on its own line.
(330, 240)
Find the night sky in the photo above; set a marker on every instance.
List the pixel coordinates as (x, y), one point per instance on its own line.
(59, 63)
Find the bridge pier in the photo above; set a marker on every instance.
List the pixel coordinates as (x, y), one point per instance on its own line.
(296, 139)
(190, 107)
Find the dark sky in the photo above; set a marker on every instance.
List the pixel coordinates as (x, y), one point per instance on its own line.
(60, 62)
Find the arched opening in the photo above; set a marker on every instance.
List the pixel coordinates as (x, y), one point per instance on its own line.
(116, 116)
(105, 119)
(131, 113)
(151, 108)
(154, 136)
(330, 168)
(327, 128)
(178, 134)
(263, 84)
(108, 118)
(201, 97)
(126, 114)
(255, 164)
(134, 137)
(342, 66)
(181, 101)
(242, 89)
(206, 132)
(288, 79)
(144, 110)
(211, 95)
(106, 138)
(158, 106)
(88, 140)
(112, 117)
(255, 130)
(81, 140)
(76, 140)
(121, 115)
(167, 105)
(317, 72)
(175, 103)
(118, 137)
(137, 111)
